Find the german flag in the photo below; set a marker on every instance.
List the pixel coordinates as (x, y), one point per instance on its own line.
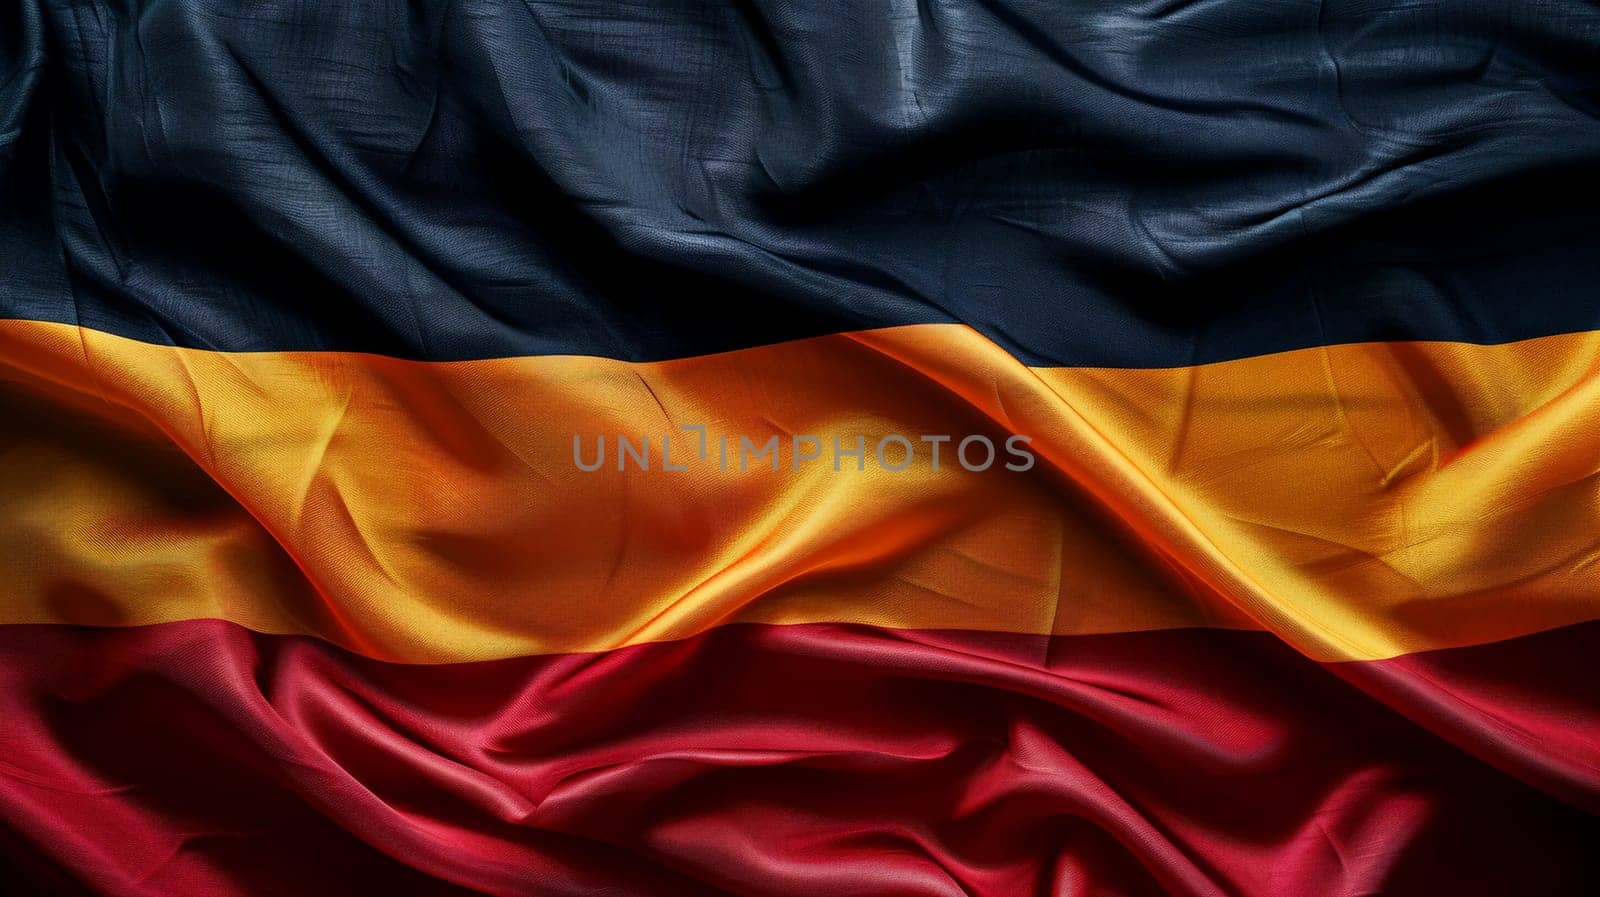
(983, 448)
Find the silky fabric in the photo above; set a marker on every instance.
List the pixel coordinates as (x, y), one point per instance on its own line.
(771, 760)
(1094, 182)
(1360, 501)
(304, 306)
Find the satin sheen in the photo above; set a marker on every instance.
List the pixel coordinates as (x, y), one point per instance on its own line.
(775, 760)
(301, 303)
(1360, 501)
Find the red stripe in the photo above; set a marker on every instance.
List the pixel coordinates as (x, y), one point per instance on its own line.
(200, 758)
(1530, 705)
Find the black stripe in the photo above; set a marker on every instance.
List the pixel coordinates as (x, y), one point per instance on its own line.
(1087, 183)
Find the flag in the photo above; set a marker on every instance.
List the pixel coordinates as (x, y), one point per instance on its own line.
(987, 448)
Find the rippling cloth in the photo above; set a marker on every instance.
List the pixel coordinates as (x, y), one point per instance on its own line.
(305, 590)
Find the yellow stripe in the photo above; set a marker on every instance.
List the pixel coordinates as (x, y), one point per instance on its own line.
(1362, 501)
